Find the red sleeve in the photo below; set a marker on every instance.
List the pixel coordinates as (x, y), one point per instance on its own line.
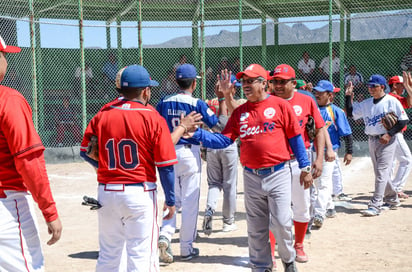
(32, 169)
(87, 135)
(164, 153)
(231, 129)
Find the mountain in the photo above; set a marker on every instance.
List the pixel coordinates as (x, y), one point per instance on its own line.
(363, 27)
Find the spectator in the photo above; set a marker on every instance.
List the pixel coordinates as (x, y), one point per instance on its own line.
(78, 79)
(355, 77)
(406, 63)
(324, 68)
(306, 67)
(67, 121)
(110, 70)
(236, 68)
(182, 60)
(224, 64)
(168, 85)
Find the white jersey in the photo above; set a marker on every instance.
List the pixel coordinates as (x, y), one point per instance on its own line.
(306, 67)
(373, 113)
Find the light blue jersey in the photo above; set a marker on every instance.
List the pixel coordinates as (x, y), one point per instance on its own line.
(336, 123)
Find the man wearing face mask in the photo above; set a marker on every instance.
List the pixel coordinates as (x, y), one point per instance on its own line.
(133, 139)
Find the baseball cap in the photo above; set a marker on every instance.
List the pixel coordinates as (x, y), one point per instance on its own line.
(186, 71)
(8, 48)
(253, 70)
(300, 84)
(395, 79)
(336, 89)
(233, 79)
(377, 79)
(283, 71)
(324, 86)
(136, 76)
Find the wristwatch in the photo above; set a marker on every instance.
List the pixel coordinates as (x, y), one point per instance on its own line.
(306, 169)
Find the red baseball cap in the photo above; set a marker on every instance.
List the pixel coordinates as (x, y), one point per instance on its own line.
(8, 48)
(283, 71)
(268, 76)
(395, 79)
(253, 70)
(336, 89)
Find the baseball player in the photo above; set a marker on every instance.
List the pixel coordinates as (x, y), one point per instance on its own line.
(221, 175)
(382, 143)
(127, 191)
(187, 179)
(337, 126)
(267, 128)
(338, 194)
(284, 83)
(402, 153)
(22, 170)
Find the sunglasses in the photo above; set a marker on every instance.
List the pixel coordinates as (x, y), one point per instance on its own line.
(281, 82)
(248, 81)
(373, 85)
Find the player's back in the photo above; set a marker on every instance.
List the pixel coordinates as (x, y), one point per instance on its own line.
(128, 133)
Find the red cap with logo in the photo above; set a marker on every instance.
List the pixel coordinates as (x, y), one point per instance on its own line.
(253, 70)
(283, 71)
(395, 79)
(8, 48)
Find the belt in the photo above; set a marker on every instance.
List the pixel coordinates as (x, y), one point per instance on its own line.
(187, 146)
(376, 136)
(126, 184)
(267, 170)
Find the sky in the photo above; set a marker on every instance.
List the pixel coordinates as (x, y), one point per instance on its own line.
(65, 33)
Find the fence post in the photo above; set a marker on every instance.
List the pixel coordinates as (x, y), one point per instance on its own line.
(34, 65)
(264, 59)
(240, 41)
(82, 65)
(139, 30)
(330, 41)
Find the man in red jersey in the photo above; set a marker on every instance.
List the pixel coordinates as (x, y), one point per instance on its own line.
(402, 153)
(133, 139)
(284, 83)
(22, 170)
(267, 128)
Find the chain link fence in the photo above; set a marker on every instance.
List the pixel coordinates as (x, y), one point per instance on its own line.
(71, 50)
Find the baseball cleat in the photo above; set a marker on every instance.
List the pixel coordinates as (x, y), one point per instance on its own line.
(193, 254)
(402, 195)
(370, 212)
(388, 206)
(229, 227)
(207, 222)
(330, 213)
(343, 197)
(318, 221)
(165, 252)
(301, 256)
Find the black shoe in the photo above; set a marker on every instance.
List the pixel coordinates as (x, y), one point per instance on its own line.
(193, 254)
(290, 267)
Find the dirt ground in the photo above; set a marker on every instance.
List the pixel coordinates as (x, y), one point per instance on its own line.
(348, 242)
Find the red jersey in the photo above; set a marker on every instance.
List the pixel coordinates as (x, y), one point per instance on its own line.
(401, 99)
(132, 139)
(403, 102)
(263, 129)
(304, 106)
(19, 138)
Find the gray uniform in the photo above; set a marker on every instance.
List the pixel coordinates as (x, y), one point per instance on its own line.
(222, 175)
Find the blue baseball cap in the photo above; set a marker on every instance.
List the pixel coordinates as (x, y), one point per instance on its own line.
(186, 71)
(136, 76)
(233, 79)
(377, 79)
(324, 86)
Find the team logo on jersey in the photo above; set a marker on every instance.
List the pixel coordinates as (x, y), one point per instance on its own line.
(269, 113)
(298, 110)
(126, 106)
(210, 112)
(244, 116)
